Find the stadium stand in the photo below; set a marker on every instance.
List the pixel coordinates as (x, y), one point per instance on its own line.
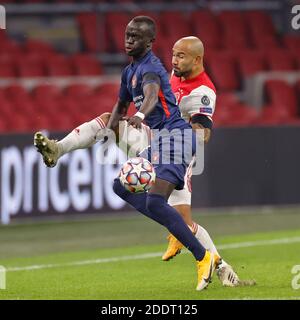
(236, 51)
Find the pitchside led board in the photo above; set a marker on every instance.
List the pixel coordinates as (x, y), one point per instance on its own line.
(78, 183)
(242, 167)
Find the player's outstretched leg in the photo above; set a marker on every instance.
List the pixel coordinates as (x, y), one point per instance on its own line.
(48, 148)
(81, 137)
(156, 207)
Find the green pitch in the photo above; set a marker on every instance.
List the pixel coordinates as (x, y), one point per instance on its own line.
(119, 257)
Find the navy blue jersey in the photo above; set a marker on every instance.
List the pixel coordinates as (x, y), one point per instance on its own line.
(166, 113)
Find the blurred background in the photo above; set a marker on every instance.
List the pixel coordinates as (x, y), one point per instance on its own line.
(60, 64)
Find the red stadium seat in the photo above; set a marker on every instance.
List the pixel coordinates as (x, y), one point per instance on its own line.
(283, 95)
(235, 33)
(7, 68)
(230, 111)
(207, 27)
(275, 115)
(251, 62)
(78, 91)
(166, 57)
(3, 124)
(223, 70)
(26, 107)
(17, 93)
(86, 65)
(88, 29)
(7, 109)
(280, 60)
(46, 92)
(20, 123)
(3, 36)
(116, 23)
(59, 66)
(2, 95)
(292, 42)
(103, 99)
(30, 66)
(39, 47)
(108, 88)
(175, 25)
(11, 48)
(225, 105)
(262, 30)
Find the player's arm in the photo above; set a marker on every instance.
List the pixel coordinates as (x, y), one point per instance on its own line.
(121, 107)
(201, 109)
(119, 111)
(204, 123)
(151, 86)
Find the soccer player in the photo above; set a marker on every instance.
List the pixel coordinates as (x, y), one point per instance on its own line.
(145, 82)
(86, 135)
(196, 96)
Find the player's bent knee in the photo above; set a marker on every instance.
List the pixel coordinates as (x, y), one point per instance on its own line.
(105, 117)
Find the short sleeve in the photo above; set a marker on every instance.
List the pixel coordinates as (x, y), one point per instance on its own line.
(202, 100)
(152, 67)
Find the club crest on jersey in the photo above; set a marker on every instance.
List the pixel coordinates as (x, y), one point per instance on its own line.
(134, 81)
(177, 97)
(205, 100)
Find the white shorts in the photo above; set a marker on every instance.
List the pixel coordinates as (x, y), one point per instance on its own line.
(138, 140)
(183, 196)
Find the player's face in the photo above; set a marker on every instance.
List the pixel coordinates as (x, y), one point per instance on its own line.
(137, 43)
(182, 62)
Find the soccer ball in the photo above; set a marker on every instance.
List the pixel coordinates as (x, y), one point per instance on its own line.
(137, 175)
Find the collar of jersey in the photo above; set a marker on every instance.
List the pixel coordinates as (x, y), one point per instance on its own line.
(200, 75)
(133, 63)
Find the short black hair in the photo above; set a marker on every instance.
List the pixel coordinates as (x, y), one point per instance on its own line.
(149, 22)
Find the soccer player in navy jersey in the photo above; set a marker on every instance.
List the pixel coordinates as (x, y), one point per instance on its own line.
(145, 82)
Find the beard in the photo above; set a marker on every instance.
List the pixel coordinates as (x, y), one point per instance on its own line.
(177, 73)
(183, 74)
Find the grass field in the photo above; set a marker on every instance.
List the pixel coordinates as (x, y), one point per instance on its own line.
(119, 257)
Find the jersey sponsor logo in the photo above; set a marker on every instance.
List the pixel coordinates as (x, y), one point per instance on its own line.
(134, 81)
(205, 100)
(138, 100)
(205, 110)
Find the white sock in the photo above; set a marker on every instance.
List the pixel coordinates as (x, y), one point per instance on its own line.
(82, 137)
(204, 238)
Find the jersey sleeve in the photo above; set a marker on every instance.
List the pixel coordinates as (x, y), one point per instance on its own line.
(202, 101)
(153, 68)
(150, 77)
(124, 93)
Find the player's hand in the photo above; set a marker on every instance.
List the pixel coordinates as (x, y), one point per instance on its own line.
(135, 121)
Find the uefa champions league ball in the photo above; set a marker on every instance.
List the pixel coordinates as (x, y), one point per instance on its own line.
(137, 175)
